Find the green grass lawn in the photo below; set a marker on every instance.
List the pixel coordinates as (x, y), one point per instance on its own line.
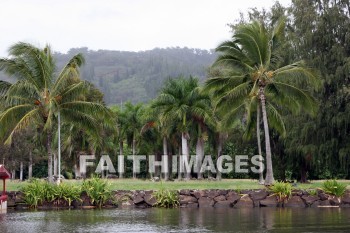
(131, 184)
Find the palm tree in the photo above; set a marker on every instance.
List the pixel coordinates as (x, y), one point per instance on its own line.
(256, 79)
(121, 130)
(133, 126)
(180, 102)
(40, 93)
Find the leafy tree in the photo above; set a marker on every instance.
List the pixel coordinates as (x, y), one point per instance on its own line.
(320, 148)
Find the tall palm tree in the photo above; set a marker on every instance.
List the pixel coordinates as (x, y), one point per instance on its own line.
(257, 79)
(154, 121)
(181, 101)
(40, 92)
(121, 130)
(133, 126)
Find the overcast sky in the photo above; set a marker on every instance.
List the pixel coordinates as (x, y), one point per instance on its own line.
(130, 25)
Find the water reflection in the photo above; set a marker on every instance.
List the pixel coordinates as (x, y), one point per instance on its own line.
(179, 220)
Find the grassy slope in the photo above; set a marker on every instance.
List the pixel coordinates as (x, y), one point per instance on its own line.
(130, 184)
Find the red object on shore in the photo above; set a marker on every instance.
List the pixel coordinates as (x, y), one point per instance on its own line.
(4, 174)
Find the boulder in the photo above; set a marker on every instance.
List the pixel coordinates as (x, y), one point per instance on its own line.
(148, 192)
(203, 193)
(258, 195)
(150, 199)
(138, 199)
(246, 191)
(323, 196)
(316, 204)
(205, 202)
(212, 193)
(222, 192)
(346, 198)
(294, 201)
(184, 199)
(185, 192)
(220, 198)
(223, 204)
(324, 203)
(233, 197)
(196, 194)
(244, 202)
(335, 201)
(309, 200)
(269, 201)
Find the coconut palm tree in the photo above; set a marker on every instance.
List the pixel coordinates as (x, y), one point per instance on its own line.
(181, 101)
(40, 92)
(256, 79)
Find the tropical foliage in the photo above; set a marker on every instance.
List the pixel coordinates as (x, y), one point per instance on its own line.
(262, 77)
(255, 79)
(40, 93)
(98, 190)
(37, 192)
(333, 187)
(167, 198)
(282, 190)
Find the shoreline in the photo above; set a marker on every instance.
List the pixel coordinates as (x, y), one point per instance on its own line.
(190, 198)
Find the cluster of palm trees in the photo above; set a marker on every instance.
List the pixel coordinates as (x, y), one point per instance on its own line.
(248, 86)
(40, 93)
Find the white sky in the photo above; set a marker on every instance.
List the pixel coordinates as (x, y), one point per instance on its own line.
(129, 25)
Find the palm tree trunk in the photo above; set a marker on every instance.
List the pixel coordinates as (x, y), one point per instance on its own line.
(49, 160)
(261, 172)
(219, 153)
(165, 154)
(21, 171)
(121, 153)
(200, 155)
(179, 177)
(269, 180)
(133, 154)
(185, 153)
(55, 165)
(30, 166)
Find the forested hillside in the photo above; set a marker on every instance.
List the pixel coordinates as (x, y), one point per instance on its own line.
(137, 76)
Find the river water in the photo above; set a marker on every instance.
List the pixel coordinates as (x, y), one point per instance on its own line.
(179, 220)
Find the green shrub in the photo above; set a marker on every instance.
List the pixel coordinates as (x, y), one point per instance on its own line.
(98, 190)
(334, 188)
(282, 190)
(68, 193)
(37, 192)
(33, 193)
(50, 192)
(166, 198)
